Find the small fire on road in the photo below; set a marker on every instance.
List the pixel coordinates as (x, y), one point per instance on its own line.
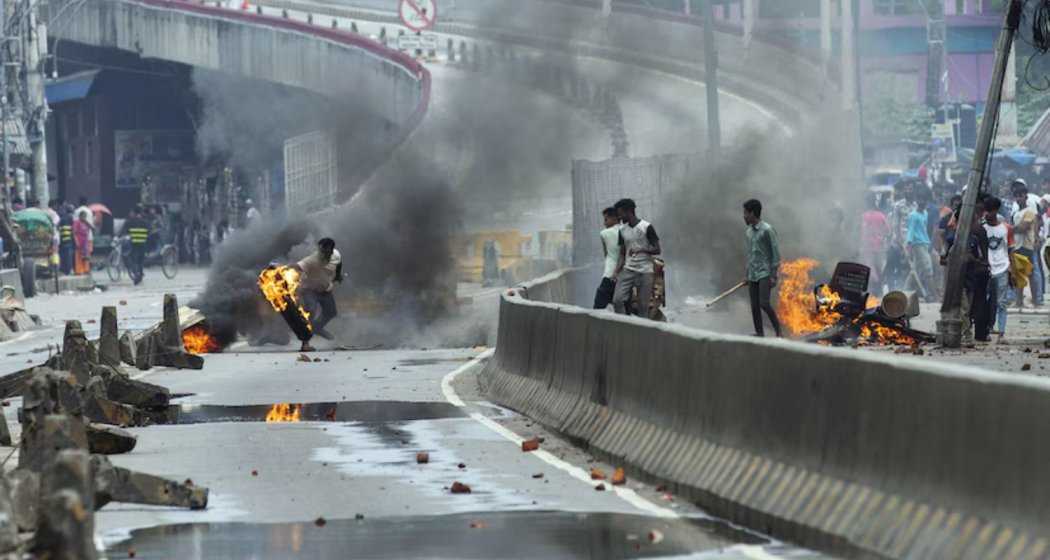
(198, 340)
(284, 412)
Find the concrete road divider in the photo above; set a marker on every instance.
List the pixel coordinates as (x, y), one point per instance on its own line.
(849, 451)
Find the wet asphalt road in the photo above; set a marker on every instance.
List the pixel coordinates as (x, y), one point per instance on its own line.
(344, 482)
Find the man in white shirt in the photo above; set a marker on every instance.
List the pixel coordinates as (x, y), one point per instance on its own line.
(321, 271)
(639, 244)
(998, 262)
(610, 237)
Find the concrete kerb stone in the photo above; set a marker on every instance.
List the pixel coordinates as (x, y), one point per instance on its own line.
(127, 347)
(784, 448)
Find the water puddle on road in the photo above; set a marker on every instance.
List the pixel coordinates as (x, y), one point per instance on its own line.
(506, 535)
(346, 411)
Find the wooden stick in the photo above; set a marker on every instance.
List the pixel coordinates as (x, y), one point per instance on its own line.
(726, 293)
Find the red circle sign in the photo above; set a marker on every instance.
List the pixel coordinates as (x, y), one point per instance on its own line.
(418, 15)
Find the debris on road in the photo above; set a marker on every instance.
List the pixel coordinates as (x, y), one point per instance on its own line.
(538, 475)
(478, 525)
(600, 487)
(619, 477)
(304, 358)
(597, 474)
(1026, 367)
(459, 488)
(422, 457)
(655, 536)
(530, 445)
(255, 472)
(320, 522)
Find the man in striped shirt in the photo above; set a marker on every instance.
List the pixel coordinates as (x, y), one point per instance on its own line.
(137, 229)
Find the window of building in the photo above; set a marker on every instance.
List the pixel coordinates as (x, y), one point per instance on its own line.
(72, 124)
(88, 157)
(72, 164)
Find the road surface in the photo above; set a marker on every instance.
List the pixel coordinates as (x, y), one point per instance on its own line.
(345, 481)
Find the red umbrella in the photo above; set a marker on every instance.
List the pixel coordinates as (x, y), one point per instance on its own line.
(98, 210)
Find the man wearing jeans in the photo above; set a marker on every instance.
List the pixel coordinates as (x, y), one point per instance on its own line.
(638, 245)
(321, 271)
(998, 261)
(763, 263)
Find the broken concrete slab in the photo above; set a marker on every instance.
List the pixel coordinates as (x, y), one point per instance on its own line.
(117, 484)
(179, 359)
(66, 525)
(42, 439)
(127, 348)
(108, 340)
(109, 440)
(123, 389)
(24, 486)
(104, 411)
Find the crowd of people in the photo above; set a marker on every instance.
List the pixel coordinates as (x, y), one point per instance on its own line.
(905, 239)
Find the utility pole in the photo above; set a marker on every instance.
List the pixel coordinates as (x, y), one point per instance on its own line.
(949, 328)
(36, 51)
(714, 124)
(936, 64)
(849, 70)
(825, 36)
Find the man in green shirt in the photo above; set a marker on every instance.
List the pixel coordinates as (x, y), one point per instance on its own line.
(763, 263)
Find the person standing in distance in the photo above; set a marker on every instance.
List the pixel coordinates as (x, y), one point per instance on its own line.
(610, 237)
(638, 245)
(763, 265)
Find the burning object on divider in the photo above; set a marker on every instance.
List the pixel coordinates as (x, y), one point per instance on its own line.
(280, 285)
(199, 340)
(842, 311)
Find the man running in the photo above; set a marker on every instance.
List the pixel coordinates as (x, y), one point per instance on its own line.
(610, 237)
(321, 271)
(763, 265)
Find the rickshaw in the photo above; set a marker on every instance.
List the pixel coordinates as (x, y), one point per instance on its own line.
(35, 232)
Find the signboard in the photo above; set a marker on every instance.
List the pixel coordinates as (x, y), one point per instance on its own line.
(418, 15)
(160, 154)
(411, 43)
(944, 144)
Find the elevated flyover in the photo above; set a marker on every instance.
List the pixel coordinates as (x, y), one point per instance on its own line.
(330, 62)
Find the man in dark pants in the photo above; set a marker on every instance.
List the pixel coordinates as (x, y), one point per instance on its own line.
(321, 271)
(610, 237)
(763, 263)
(137, 230)
(66, 245)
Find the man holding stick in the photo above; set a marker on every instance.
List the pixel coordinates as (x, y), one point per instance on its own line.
(763, 263)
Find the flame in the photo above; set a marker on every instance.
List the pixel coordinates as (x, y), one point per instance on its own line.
(796, 303)
(280, 284)
(284, 412)
(198, 340)
(878, 334)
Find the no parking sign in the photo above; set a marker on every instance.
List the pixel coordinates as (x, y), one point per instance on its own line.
(418, 15)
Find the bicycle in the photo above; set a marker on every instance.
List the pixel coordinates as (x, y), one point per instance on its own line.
(167, 257)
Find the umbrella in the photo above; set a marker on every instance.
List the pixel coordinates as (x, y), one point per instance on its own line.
(97, 210)
(31, 216)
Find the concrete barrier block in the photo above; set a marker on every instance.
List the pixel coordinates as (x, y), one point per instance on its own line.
(108, 342)
(783, 436)
(110, 440)
(66, 526)
(24, 487)
(127, 348)
(116, 484)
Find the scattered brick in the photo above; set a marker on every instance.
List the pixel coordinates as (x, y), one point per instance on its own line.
(530, 445)
(422, 457)
(460, 488)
